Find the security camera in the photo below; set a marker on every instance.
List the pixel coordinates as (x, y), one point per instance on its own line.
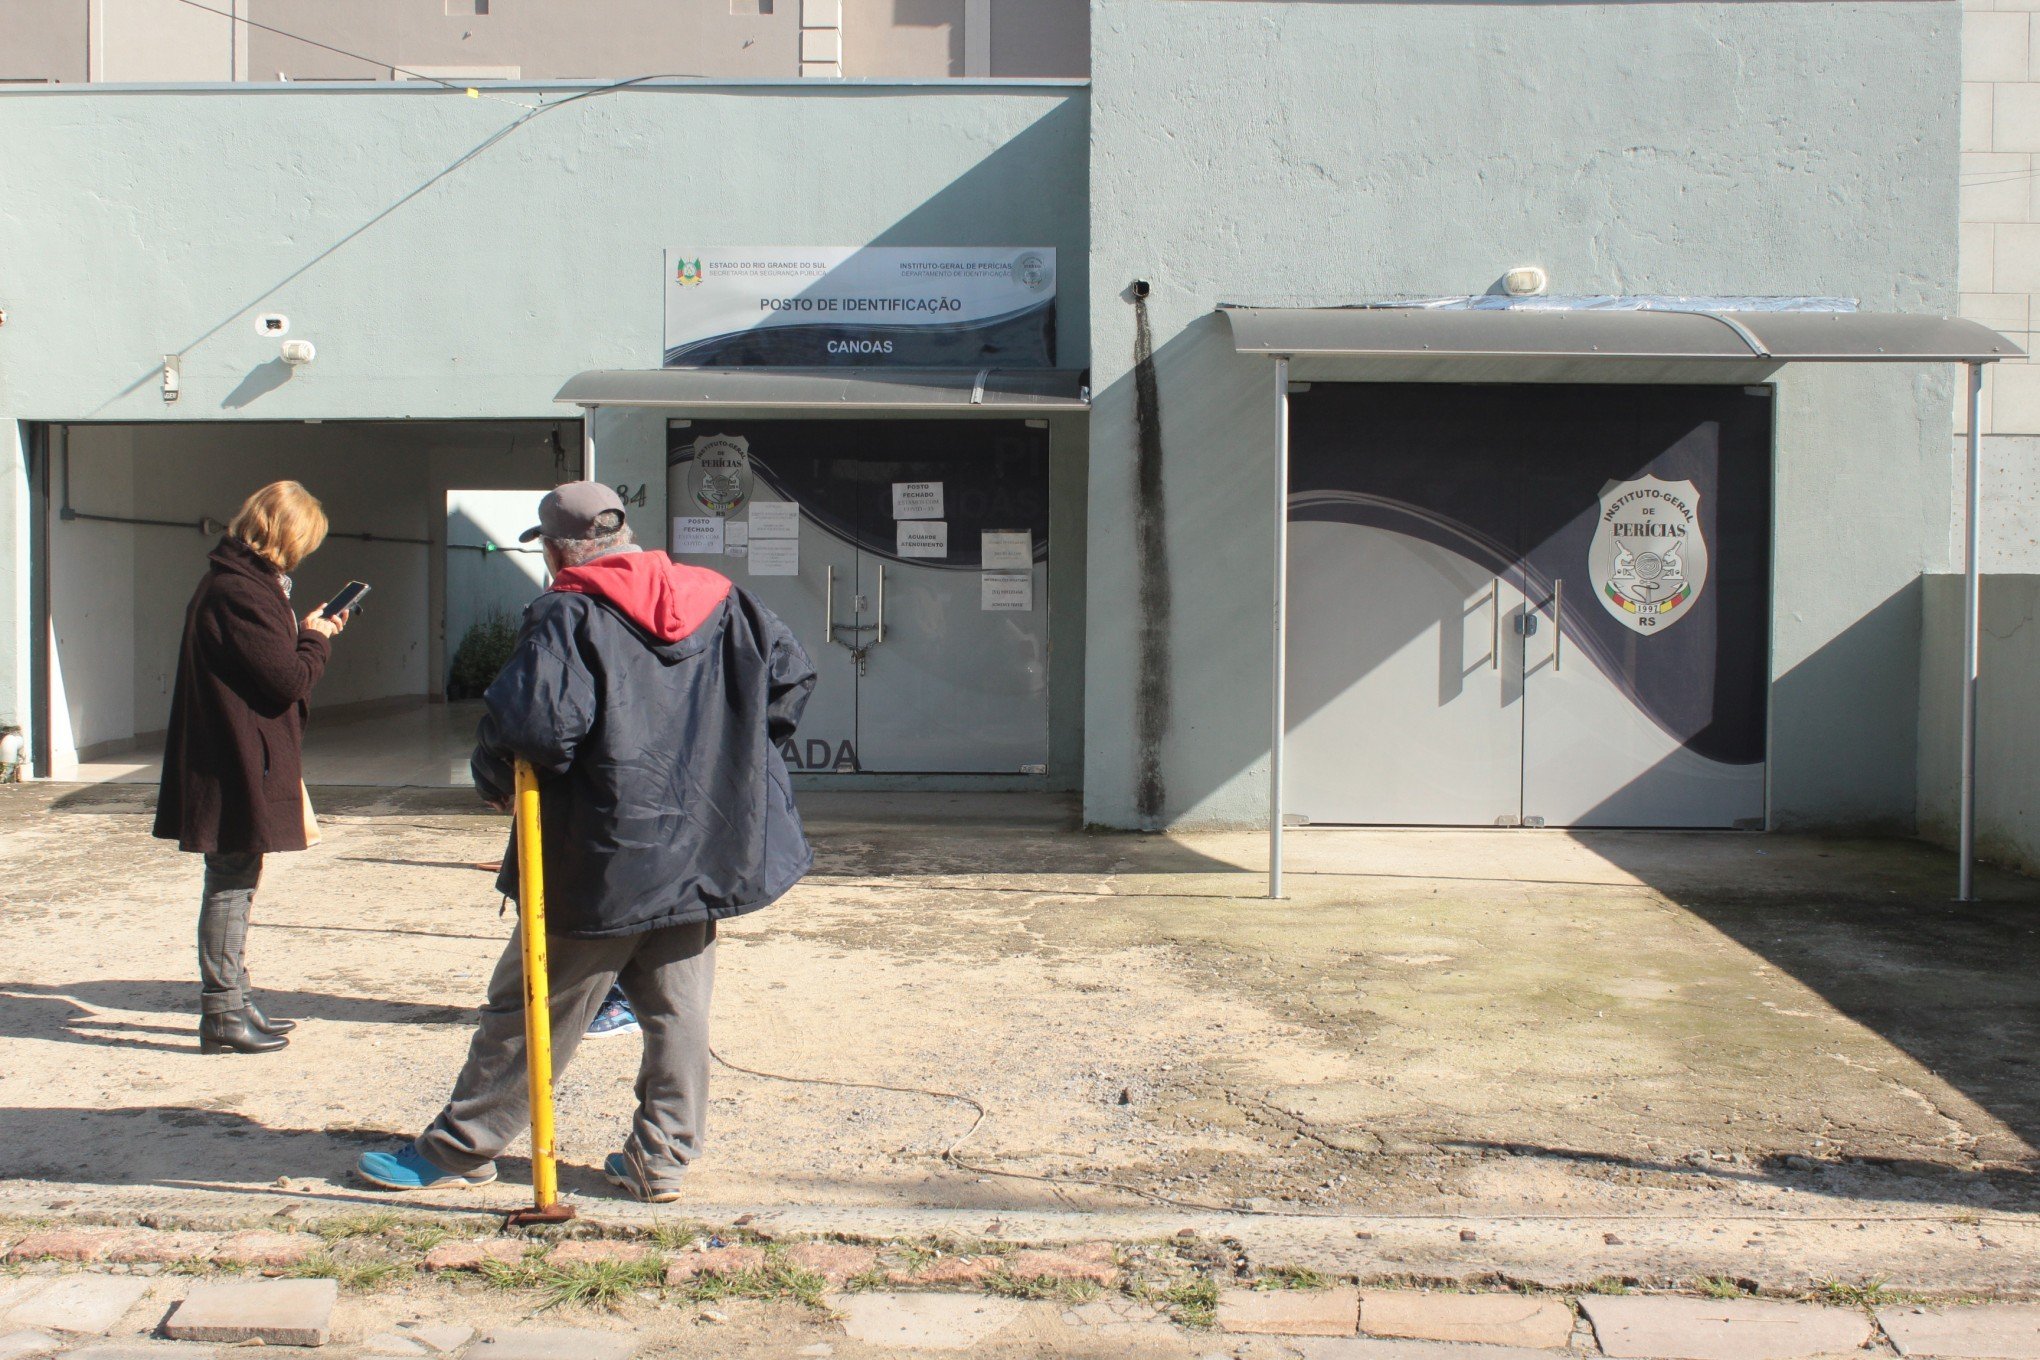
(298, 353)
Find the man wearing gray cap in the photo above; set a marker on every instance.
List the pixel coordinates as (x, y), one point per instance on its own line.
(652, 698)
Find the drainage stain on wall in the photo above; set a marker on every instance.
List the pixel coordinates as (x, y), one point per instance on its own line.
(1152, 546)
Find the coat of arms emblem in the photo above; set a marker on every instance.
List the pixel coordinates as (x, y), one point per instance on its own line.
(721, 476)
(1648, 561)
(687, 273)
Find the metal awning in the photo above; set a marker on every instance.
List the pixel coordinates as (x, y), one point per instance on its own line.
(958, 391)
(1442, 335)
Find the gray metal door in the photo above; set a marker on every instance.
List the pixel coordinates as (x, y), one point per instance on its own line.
(1543, 605)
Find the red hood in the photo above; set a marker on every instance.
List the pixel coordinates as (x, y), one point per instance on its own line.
(667, 599)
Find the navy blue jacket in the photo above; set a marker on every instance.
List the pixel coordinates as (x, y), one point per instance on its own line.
(652, 698)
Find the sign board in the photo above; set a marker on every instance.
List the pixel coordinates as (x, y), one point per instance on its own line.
(874, 306)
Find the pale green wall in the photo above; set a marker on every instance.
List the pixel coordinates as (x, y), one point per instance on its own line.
(2008, 740)
(443, 274)
(1318, 153)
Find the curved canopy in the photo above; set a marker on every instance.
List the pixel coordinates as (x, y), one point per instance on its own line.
(1444, 334)
(960, 391)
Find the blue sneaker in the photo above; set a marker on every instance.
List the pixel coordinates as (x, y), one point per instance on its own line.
(404, 1169)
(616, 1170)
(615, 1017)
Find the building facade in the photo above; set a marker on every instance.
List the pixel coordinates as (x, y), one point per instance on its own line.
(481, 41)
(459, 260)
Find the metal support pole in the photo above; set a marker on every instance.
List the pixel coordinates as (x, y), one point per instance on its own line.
(1972, 628)
(588, 442)
(1279, 724)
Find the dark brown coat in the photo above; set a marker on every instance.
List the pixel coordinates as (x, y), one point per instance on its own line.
(233, 765)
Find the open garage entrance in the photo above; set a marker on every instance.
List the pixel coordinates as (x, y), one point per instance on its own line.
(134, 509)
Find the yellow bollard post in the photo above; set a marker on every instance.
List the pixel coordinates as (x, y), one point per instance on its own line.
(545, 1187)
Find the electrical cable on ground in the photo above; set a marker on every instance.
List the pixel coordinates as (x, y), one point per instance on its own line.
(983, 1113)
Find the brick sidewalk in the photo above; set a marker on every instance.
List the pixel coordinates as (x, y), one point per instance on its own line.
(109, 1293)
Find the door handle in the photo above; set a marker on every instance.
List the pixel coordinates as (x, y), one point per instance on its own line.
(880, 635)
(1557, 625)
(1494, 647)
(829, 614)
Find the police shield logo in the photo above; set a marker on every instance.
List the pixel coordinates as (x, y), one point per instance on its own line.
(1649, 560)
(721, 476)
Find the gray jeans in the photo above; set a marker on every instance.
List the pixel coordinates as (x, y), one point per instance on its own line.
(667, 975)
(223, 931)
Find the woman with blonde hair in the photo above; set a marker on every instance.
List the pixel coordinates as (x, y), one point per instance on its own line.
(233, 771)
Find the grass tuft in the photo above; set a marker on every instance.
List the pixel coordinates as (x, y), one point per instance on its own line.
(776, 1279)
(1719, 1287)
(1866, 1295)
(372, 1273)
(1292, 1277)
(1193, 1301)
(358, 1225)
(673, 1236)
(1006, 1285)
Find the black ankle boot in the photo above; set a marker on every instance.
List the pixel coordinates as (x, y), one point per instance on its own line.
(263, 1022)
(233, 1032)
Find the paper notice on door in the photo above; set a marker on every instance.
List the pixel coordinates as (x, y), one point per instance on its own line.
(774, 519)
(1003, 551)
(775, 556)
(697, 534)
(736, 538)
(917, 500)
(924, 537)
(1003, 592)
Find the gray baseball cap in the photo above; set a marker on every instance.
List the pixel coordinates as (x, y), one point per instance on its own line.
(577, 510)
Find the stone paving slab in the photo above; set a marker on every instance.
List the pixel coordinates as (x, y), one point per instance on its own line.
(1289, 1312)
(1495, 1319)
(929, 1322)
(17, 1345)
(1667, 1328)
(142, 1350)
(273, 1312)
(551, 1343)
(442, 1337)
(1375, 1348)
(91, 1304)
(1986, 1331)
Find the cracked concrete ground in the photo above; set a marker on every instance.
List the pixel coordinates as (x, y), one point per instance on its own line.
(1448, 1051)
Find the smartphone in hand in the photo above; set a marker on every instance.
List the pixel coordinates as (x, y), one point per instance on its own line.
(349, 596)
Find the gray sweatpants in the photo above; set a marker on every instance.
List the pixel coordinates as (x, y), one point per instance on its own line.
(230, 882)
(667, 975)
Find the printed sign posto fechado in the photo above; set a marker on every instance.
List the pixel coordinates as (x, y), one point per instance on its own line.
(720, 478)
(1649, 559)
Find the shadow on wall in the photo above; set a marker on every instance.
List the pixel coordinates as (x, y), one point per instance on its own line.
(261, 380)
(2008, 740)
(1841, 758)
(1033, 176)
